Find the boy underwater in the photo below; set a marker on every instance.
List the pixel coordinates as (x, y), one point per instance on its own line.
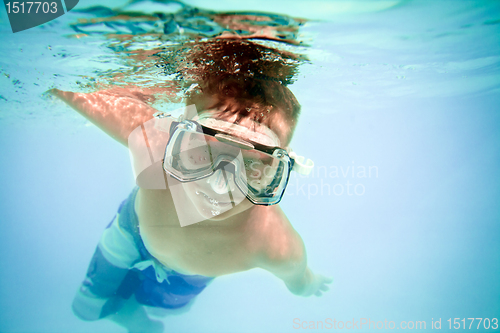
(207, 203)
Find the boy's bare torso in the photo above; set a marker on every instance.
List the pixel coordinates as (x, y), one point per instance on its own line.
(211, 248)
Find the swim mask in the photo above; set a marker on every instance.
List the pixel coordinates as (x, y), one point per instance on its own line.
(233, 154)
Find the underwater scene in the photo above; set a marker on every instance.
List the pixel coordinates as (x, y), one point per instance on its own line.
(266, 166)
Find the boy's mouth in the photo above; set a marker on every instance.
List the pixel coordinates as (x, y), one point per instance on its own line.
(211, 200)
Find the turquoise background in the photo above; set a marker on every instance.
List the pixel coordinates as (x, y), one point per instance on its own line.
(411, 88)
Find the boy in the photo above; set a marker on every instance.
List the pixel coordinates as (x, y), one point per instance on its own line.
(215, 212)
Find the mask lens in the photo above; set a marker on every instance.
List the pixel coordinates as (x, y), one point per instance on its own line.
(192, 152)
(261, 170)
(195, 152)
(194, 155)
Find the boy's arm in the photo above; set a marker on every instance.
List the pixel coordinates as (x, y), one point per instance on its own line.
(286, 258)
(299, 278)
(116, 112)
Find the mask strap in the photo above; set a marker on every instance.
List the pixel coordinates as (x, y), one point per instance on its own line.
(301, 165)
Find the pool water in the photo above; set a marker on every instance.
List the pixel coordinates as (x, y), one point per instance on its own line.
(400, 113)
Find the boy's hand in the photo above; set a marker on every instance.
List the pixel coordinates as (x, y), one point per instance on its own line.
(309, 284)
(318, 285)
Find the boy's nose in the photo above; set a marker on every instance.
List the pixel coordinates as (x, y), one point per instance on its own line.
(221, 182)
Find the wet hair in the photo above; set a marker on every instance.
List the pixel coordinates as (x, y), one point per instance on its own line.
(266, 102)
(246, 80)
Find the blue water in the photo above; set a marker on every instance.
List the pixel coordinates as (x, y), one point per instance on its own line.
(409, 91)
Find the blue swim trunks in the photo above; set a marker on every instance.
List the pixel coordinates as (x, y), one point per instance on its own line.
(122, 267)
